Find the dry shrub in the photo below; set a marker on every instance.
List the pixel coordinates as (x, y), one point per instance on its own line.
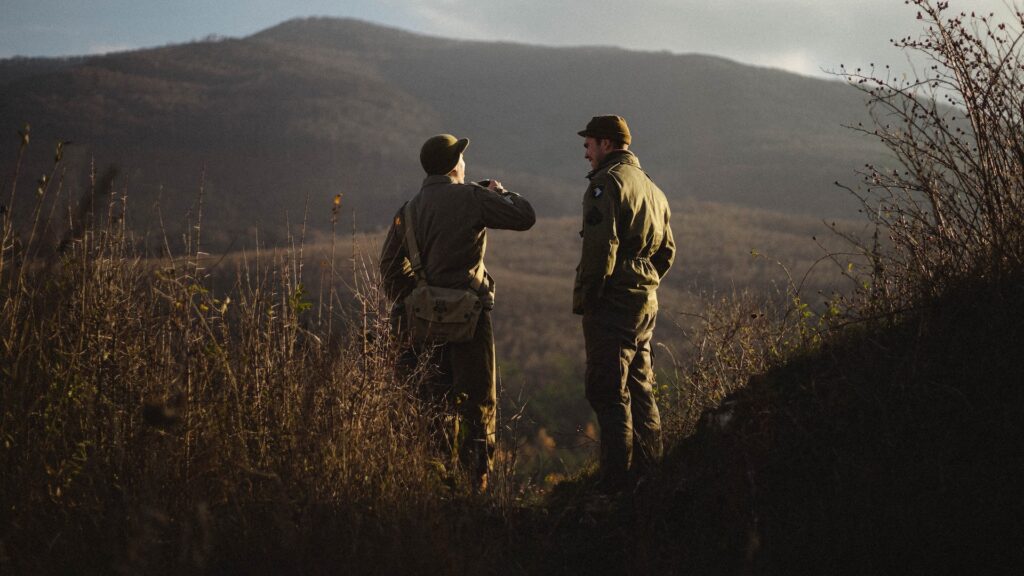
(737, 337)
(952, 208)
(149, 424)
(881, 447)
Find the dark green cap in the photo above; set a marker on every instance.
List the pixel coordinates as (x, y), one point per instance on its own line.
(608, 127)
(440, 154)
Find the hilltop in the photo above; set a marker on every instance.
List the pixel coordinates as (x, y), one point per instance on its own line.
(894, 449)
(315, 107)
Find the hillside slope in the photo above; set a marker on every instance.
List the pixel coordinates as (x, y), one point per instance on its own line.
(317, 107)
(897, 449)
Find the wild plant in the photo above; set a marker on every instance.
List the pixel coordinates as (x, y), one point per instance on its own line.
(150, 423)
(949, 208)
(739, 336)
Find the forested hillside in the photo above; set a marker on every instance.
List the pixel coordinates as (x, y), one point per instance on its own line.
(317, 107)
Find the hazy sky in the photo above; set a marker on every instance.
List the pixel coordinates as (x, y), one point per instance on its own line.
(802, 36)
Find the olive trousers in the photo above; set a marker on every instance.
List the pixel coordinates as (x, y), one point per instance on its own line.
(620, 389)
(463, 384)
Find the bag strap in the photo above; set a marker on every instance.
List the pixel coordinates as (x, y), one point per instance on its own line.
(417, 263)
(413, 248)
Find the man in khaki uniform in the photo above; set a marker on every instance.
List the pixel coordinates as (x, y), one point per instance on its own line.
(627, 249)
(450, 221)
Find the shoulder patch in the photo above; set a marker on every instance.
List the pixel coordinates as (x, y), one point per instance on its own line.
(598, 190)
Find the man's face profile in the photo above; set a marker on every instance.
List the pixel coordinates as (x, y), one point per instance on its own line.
(596, 150)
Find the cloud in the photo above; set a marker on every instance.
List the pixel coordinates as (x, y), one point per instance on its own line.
(97, 49)
(798, 62)
(447, 18)
(803, 36)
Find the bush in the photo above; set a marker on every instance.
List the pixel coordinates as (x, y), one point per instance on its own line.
(953, 208)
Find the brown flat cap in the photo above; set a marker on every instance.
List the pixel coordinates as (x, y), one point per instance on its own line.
(610, 127)
(440, 154)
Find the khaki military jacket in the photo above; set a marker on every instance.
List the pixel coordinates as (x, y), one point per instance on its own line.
(450, 221)
(627, 240)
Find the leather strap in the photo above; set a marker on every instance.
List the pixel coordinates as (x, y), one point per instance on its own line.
(413, 248)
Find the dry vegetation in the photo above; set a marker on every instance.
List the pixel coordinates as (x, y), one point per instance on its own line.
(190, 414)
(725, 253)
(196, 412)
(890, 441)
(150, 424)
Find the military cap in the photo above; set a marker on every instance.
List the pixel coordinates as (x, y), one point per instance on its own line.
(608, 127)
(440, 154)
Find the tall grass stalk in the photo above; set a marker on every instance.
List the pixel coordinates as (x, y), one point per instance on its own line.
(151, 424)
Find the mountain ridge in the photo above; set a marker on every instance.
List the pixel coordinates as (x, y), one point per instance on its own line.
(318, 106)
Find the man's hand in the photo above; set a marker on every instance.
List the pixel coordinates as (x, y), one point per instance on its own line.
(495, 185)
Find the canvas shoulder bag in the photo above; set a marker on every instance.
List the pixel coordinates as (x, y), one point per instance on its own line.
(436, 315)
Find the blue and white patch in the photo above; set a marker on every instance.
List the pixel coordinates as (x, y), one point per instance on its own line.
(598, 191)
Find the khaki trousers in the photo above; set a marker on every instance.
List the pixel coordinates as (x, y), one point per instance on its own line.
(465, 385)
(620, 389)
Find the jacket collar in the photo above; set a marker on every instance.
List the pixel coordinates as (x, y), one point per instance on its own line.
(435, 179)
(616, 157)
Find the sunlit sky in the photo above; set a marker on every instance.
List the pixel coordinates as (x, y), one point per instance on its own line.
(803, 36)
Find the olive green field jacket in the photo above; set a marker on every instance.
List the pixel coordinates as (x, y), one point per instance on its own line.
(627, 239)
(450, 221)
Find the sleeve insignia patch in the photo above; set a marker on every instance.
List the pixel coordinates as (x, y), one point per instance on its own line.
(598, 191)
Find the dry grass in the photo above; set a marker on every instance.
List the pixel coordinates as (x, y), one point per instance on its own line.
(152, 424)
(192, 413)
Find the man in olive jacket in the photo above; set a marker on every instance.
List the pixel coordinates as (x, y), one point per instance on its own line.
(627, 249)
(450, 221)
